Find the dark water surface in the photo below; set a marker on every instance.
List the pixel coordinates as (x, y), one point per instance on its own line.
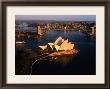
(83, 63)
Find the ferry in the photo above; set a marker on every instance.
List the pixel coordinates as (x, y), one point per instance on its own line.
(20, 42)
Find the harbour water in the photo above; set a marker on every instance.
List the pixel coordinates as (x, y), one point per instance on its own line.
(83, 63)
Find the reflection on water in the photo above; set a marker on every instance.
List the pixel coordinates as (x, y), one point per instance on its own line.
(82, 63)
(18, 45)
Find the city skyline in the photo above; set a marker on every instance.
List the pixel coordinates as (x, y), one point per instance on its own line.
(57, 17)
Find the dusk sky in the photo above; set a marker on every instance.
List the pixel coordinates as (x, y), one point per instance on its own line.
(57, 17)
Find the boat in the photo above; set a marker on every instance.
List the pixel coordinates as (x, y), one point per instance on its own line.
(20, 42)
